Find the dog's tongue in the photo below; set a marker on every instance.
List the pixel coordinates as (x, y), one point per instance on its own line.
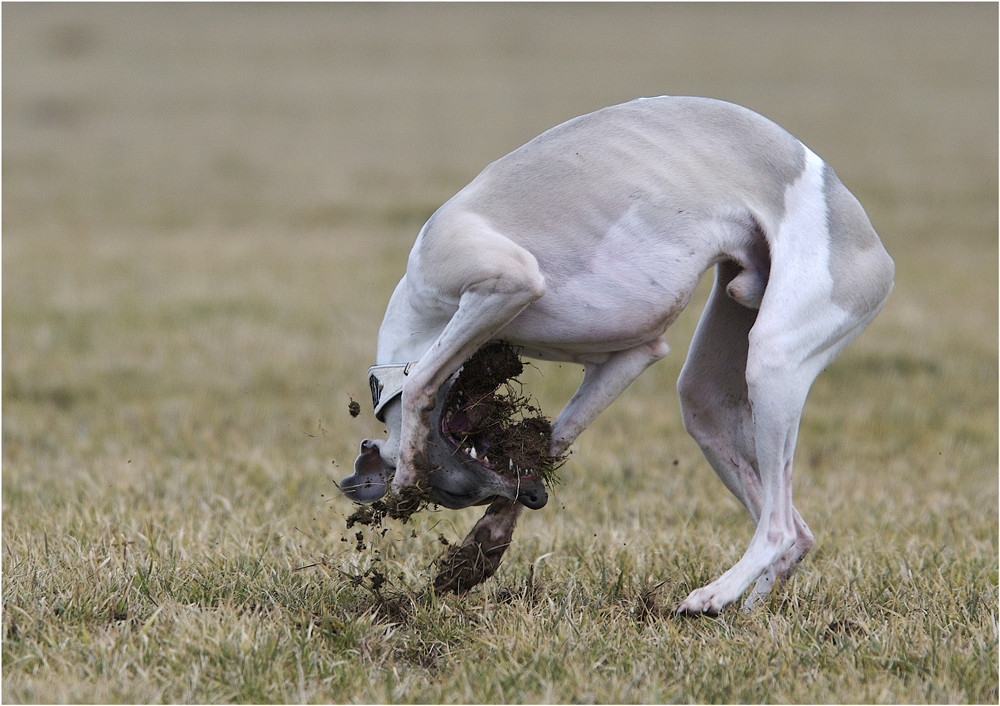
(467, 431)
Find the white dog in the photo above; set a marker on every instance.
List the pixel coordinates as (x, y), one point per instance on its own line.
(584, 245)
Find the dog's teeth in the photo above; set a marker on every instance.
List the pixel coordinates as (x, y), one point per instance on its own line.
(511, 465)
(472, 452)
(486, 459)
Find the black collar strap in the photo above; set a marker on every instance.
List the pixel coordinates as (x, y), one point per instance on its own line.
(386, 382)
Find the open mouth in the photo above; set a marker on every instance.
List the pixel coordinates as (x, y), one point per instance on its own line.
(487, 420)
(505, 450)
(483, 451)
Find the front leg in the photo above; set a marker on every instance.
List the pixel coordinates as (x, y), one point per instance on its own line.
(484, 308)
(602, 384)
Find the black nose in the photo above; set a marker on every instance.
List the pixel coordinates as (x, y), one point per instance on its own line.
(533, 498)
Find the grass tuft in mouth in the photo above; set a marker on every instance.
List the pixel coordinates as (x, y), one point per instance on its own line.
(491, 420)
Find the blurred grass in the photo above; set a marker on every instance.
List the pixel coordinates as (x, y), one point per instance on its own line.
(205, 208)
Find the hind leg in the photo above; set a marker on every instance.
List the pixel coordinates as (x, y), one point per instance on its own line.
(760, 468)
(791, 341)
(829, 277)
(718, 414)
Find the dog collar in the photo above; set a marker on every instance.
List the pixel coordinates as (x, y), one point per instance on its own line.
(386, 382)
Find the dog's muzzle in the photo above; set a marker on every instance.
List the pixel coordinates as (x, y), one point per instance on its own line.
(386, 382)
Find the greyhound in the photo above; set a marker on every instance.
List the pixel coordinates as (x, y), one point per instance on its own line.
(584, 245)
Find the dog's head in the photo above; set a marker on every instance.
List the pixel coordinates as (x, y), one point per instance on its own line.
(458, 476)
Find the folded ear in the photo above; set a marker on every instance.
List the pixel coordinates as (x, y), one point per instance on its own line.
(368, 482)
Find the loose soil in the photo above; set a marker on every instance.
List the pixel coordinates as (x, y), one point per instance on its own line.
(398, 507)
(487, 410)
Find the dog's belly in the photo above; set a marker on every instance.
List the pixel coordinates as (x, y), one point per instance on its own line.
(585, 318)
(615, 291)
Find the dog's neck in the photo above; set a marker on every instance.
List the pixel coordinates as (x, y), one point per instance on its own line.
(404, 335)
(386, 382)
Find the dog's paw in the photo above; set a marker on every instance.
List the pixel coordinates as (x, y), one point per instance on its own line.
(405, 476)
(753, 600)
(700, 603)
(710, 599)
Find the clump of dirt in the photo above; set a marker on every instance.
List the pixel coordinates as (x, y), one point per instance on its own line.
(486, 410)
(398, 507)
(646, 607)
(839, 629)
(467, 566)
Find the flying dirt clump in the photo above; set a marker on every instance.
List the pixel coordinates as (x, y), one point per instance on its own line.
(486, 411)
(399, 507)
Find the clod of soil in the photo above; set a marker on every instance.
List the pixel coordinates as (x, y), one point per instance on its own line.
(397, 507)
(486, 413)
(466, 566)
(354, 408)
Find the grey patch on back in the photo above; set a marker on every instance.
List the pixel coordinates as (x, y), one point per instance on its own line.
(861, 278)
(764, 157)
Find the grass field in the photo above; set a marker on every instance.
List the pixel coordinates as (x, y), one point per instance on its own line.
(205, 209)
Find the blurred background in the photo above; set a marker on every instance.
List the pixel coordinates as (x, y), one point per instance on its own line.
(172, 116)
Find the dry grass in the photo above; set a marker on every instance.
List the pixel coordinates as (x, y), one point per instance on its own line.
(205, 209)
